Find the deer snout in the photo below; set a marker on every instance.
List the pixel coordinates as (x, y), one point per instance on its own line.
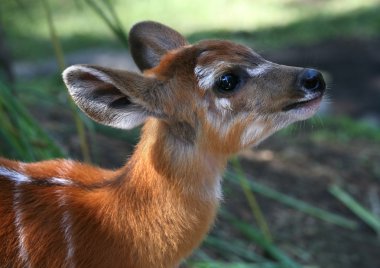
(311, 81)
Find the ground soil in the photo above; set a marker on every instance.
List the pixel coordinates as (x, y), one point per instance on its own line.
(302, 166)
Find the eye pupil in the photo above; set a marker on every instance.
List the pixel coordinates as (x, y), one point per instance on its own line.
(227, 82)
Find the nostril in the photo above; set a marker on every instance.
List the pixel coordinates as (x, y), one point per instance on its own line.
(312, 81)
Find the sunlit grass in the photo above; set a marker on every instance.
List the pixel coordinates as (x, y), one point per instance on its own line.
(192, 16)
(75, 20)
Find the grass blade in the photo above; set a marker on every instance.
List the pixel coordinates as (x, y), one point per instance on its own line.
(296, 203)
(257, 237)
(21, 136)
(232, 248)
(85, 149)
(251, 199)
(213, 264)
(356, 208)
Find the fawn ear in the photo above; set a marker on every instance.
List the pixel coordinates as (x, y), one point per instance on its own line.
(149, 41)
(111, 97)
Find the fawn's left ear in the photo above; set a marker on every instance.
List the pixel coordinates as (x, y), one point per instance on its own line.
(112, 97)
(149, 41)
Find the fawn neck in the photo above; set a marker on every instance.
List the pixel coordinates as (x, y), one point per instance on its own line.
(175, 187)
(175, 158)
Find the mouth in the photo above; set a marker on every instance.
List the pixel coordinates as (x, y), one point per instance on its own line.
(308, 103)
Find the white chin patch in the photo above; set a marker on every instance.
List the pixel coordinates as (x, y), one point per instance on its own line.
(253, 134)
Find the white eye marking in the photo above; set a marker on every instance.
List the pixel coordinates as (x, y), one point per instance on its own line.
(207, 75)
(259, 70)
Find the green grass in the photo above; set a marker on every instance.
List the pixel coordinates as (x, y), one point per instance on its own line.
(344, 129)
(262, 23)
(21, 137)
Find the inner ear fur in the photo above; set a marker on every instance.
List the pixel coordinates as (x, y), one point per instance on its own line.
(112, 97)
(149, 41)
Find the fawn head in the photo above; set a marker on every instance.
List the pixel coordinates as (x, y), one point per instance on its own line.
(216, 94)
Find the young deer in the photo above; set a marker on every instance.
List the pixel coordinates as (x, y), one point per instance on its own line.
(199, 104)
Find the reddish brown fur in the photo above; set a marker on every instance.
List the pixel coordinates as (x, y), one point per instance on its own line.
(125, 213)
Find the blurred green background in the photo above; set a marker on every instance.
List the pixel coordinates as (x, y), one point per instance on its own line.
(307, 197)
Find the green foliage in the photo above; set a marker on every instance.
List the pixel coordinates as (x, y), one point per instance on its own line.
(234, 265)
(345, 129)
(21, 137)
(369, 218)
(295, 203)
(261, 24)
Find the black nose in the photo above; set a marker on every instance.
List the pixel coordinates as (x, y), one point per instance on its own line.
(311, 81)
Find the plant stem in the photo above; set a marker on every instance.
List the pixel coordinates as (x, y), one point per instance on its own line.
(61, 64)
(252, 202)
(356, 208)
(297, 204)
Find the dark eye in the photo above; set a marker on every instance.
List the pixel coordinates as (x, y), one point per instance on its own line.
(227, 83)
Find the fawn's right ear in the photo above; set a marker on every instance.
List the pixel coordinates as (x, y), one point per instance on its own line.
(149, 41)
(112, 97)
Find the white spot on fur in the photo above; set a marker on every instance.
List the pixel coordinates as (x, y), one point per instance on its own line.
(14, 175)
(259, 70)
(60, 181)
(23, 253)
(216, 121)
(217, 191)
(223, 104)
(66, 225)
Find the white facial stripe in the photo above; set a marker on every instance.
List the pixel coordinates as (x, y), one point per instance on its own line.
(14, 175)
(259, 70)
(23, 253)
